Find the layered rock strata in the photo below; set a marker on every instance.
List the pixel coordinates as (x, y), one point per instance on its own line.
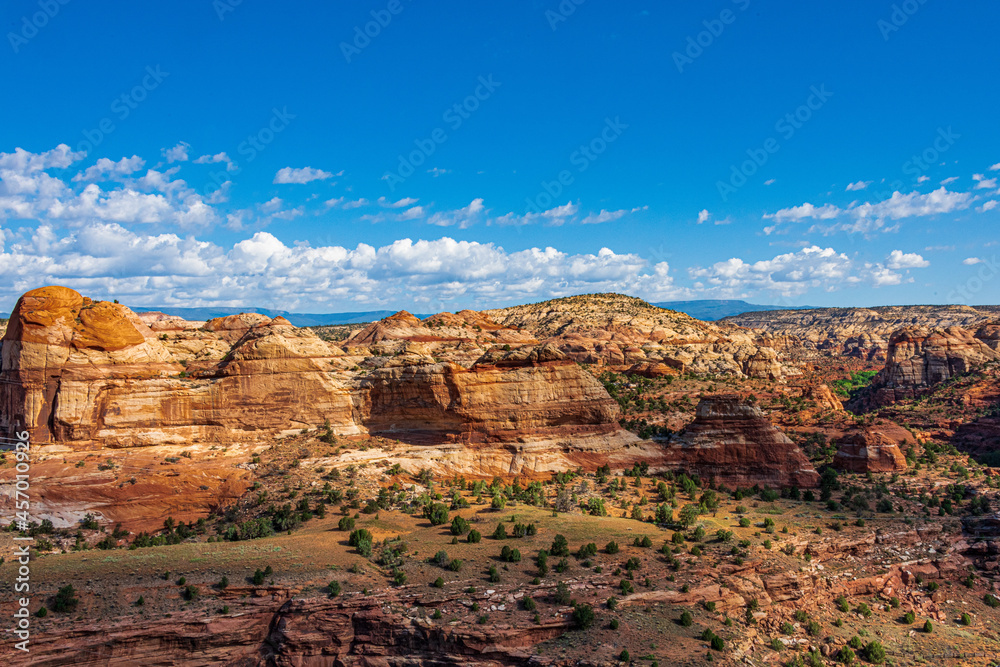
(869, 451)
(732, 442)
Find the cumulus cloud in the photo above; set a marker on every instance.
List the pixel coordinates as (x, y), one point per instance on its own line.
(162, 269)
(792, 274)
(435, 171)
(987, 206)
(178, 153)
(858, 185)
(899, 260)
(807, 210)
(462, 218)
(983, 183)
(923, 179)
(108, 168)
(869, 216)
(969, 261)
(703, 216)
(300, 176)
(949, 180)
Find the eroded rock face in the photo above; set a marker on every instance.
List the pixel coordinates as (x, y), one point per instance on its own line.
(861, 333)
(919, 358)
(732, 442)
(621, 331)
(869, 451)
(94, 374)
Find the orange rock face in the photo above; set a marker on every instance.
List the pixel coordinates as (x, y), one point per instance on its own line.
(919, 358)
(732, 442)
(869, 451)
(93, 374)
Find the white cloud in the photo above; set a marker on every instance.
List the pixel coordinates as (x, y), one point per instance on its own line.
(357, 203)
(770, 181)
(610, 216)
(987, 206)
(923, 179)
(435, 172)
(899, 260)
(105, 167)
(107, 260)
(300, 176)
(983, 183)
(969, 261)
(413, 213)
(703, 216)
(804, 211)
(178, 153)
(23, 161)
(218, 157)
(402, 203)
(995, 167)
(949, 180)
(868, 216)
(858, 185)
(789, 274)
(463, 218)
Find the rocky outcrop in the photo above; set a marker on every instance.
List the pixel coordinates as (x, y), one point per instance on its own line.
(94, 374)
(621, 331)
(861, 333)
(869, 451)
(918, 358)
(349, 630)
(732, 442)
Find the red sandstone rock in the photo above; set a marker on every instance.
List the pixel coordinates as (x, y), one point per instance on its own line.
(732, 442)
(869, 451)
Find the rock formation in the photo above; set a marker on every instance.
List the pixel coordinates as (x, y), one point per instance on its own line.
(621, 331)
(918, 358)
(861, 333)
(91, 374)
(869, 451)
(732, 442)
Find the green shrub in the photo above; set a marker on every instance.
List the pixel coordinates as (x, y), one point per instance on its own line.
(686, 619)
(65, 600)
(474, 536)
(583, 616)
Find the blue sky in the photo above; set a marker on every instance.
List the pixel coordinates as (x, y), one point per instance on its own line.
(482, 154)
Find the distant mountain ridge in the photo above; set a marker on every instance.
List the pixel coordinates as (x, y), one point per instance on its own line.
(298, 319)
(710, 310)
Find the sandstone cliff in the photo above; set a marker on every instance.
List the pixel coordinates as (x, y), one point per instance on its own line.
(869, 451)
(919, 358)
(855, 332)
(91, 374)
(732, 442)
